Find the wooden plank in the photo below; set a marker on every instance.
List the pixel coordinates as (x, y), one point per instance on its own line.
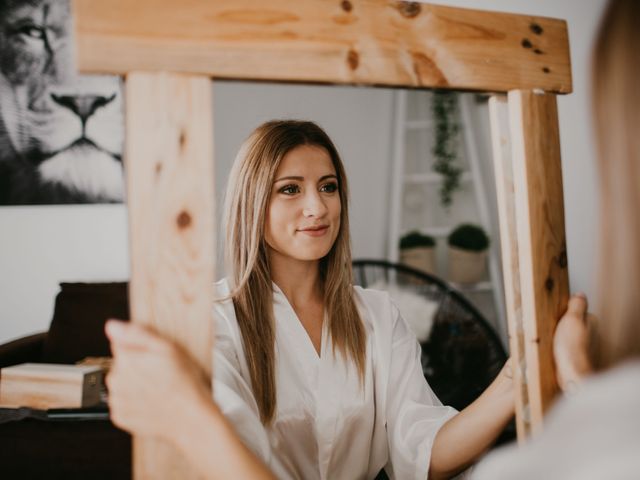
(45, 385)
(169, 169)
(375, 42)
(542, 250)
(503, 170)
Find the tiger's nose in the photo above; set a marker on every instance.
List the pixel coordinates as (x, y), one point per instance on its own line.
(82, 105)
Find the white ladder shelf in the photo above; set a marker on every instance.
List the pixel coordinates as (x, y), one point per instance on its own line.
(472, 178)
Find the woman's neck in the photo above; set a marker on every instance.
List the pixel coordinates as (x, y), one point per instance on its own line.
(299, 280)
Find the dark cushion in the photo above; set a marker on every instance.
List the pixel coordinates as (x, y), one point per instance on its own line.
(77, 327)
(22, 350)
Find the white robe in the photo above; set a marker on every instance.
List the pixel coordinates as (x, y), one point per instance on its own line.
(591, 435)
(326, 425)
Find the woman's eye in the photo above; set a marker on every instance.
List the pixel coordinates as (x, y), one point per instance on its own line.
(289, 189)
(329, 187)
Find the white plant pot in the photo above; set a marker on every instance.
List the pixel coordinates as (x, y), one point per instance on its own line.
(466, 266)
(420, 258)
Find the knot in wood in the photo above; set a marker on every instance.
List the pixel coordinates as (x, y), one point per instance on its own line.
(526, 43)
(535, 28)
(546, 70)
(548, 284)
(183, 220)
(409, 9)
(562, 259)
(353, 59)
(346, 5)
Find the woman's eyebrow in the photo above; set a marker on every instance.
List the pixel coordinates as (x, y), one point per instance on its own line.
(324, 177)
(300, 179)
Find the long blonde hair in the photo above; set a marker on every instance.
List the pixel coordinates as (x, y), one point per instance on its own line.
(246, 203)
(616, 98)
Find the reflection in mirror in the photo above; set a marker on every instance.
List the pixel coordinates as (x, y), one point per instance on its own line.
(392, 141)
(387, 139)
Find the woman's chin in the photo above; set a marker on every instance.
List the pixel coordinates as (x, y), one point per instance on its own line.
(310, 254)
(311, 257)
(306, 249)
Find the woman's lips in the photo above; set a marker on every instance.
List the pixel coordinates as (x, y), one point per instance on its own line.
(315, 231)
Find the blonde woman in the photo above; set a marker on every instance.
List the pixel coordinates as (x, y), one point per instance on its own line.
(594, 433)
(314, 378)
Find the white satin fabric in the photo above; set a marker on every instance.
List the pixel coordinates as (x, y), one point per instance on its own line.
(328, 426)
(593, 434)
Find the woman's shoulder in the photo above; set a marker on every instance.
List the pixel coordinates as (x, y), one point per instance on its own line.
(221, 288)
(376, 300)
(617, 388)
(405, 311)
(376, 307)
(372, 295)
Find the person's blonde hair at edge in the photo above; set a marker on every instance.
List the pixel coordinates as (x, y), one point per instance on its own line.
(616, 99)
(246, 254)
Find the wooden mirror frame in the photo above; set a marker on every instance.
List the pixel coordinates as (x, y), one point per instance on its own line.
(169, 51)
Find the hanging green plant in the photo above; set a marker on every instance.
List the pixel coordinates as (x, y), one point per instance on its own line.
(444, 110)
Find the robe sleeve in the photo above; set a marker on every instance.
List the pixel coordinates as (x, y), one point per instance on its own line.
(232, 390)
(414, 414)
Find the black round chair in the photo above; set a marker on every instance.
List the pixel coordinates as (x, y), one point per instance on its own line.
(463, 353)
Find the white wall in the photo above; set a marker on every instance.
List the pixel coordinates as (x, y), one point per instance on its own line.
(42, 246)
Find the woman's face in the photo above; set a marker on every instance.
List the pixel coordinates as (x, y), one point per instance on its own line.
(303, 217)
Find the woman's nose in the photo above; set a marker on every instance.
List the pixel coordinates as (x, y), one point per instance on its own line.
(314, 205)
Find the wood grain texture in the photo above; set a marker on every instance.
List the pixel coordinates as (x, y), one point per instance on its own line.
(375, 42)
(542, 249)
(44, 386)
(169, 170)
(505, 193)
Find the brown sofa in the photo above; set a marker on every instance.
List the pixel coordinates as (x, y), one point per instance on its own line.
(37, 447)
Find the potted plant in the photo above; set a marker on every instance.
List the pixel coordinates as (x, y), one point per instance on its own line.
(418, 251)
(468, 246)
